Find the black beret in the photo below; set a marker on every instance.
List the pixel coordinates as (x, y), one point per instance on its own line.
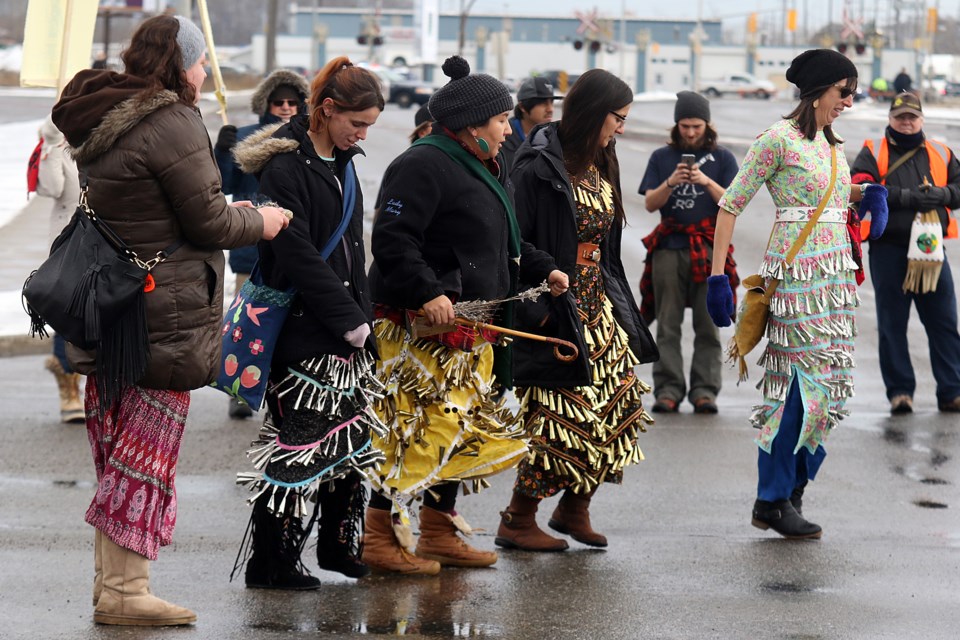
(819, 68)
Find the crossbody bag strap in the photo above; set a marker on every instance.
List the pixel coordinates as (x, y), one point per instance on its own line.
(811, 223)
(896, 165)
(349, 201)
(113, 238)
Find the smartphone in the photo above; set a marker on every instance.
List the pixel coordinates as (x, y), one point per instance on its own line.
(688, 159)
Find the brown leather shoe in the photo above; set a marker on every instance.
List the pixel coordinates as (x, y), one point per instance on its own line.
(572, 517)
(383, 553)
(901, 404)
(518, 527)
(439, 541)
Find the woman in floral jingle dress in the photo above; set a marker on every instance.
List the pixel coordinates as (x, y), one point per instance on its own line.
(809, 354)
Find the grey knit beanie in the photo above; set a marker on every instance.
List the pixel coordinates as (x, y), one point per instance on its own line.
(691, 105)
(467, 99)
(191, 42)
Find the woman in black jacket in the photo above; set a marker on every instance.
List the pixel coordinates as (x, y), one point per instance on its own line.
(445, 232)
(584, 419)
(315, 439)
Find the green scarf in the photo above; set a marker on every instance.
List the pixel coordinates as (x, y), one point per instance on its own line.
(502, 367)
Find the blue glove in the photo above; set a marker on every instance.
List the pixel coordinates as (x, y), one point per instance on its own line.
(720, 300)
(875, 203)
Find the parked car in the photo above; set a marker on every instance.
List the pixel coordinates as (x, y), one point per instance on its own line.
(398, 89)
(952, 89)
(741, 84)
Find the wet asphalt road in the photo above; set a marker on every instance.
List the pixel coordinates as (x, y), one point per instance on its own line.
(683, 560)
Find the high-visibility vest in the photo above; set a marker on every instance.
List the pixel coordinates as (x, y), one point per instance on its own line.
(938, 171)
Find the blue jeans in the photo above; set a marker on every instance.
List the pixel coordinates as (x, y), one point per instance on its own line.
(938, 313)
(781, 471)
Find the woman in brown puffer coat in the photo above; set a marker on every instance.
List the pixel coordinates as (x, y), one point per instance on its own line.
(138, 139)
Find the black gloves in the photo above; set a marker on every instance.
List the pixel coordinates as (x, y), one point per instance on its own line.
(227, 138)
(933, 197)
(910, 199)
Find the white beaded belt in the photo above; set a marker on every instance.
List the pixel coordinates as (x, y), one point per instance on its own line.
(802, 214)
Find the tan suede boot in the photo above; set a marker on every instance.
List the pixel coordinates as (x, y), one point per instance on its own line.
(97, 567)
(71, 406)
(572, 517)
(439, 541)
(383, 553)
(518, 528)
(125, 599)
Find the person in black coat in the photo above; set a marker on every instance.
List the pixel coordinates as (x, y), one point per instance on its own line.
(584, 418)
(315, 440)
(445, 233)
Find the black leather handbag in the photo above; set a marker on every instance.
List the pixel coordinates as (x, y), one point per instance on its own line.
(90, 290)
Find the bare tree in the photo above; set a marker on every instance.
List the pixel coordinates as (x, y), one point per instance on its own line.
(465, 6)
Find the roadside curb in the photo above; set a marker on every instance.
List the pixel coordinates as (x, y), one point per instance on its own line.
(13, 346)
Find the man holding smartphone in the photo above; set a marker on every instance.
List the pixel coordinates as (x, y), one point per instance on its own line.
(684, 180)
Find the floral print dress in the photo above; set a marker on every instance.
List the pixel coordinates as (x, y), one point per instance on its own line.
(812, 314)
(583, 436)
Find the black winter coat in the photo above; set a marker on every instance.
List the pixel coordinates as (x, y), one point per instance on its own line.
(547, 216)
(439, 231)
(333, 295)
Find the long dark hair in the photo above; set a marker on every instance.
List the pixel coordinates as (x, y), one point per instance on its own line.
(806, 114)
(154, 55)
(351, 88)
(585, 110)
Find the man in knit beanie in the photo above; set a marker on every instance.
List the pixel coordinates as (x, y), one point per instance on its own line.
(684, 180)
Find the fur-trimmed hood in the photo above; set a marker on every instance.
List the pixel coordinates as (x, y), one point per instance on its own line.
(98, 107)
(254, 152)
(279, 78)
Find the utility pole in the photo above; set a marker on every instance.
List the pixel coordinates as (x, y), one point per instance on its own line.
(271, 61)
(465, 6)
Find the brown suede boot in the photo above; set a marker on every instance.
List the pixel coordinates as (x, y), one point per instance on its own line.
(439, 541)
(383, 553)
(126, 598)
(518, 528)
(68, 384)
(97, 567)
(572, 517)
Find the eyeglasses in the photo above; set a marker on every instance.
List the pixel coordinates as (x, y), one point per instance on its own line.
(280, 103)
(620, 118)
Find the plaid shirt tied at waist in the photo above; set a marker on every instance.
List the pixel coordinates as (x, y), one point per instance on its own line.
(701, 240)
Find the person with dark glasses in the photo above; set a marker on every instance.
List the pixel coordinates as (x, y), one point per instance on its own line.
(808, 359)
(279, 97)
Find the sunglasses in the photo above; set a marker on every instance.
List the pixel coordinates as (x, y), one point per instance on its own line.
(845, 91)
(280, 103)
(619, 117)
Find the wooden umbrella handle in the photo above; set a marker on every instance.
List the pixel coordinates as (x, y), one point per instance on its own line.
(572, 355)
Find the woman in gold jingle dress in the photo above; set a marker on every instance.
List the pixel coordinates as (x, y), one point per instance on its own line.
(584, 418)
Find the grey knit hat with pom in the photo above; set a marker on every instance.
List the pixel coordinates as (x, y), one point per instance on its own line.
(467, 99)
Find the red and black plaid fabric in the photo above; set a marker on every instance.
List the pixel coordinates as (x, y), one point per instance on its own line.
(701, 239)
(462, 338)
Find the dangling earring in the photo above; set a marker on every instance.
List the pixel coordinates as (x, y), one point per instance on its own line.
(816, 103)
(484, 147)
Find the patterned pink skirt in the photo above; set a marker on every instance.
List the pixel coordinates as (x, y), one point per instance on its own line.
(135, 446)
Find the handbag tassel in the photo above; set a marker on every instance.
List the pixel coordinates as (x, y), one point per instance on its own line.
(122, 354)
(83, 304)
(38, 326)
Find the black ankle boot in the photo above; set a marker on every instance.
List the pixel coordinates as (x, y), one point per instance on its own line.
(784, 519)
(339, 537)
(276, 542)
(796, 498)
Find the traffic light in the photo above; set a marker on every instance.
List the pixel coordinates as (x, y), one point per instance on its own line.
(578, 44)
(377, 41)
(752, 23)
(792, 20)
(860, 48)
(842, 47)
(594, 46)
(362, 39)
